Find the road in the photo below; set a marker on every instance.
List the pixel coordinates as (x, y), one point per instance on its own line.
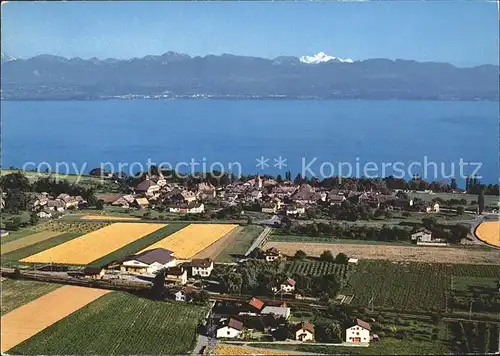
(258, 241)
(474, 223)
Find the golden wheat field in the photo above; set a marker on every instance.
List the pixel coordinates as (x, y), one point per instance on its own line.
(29, 319)
(94, 245)
(222, 349)
(489, 232)
(192, 239)
(28, 241)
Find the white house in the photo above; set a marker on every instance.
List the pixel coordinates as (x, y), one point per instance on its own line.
(187, 208)
(433, 208)
(230, 328)
(304, 331)
(280, 312)
(202, 267)
(359, 332)
(422, 236)
(148, 262)
(295, 210)
(287, 286)
(177, 275)
(44, 214)
(184, 294)
(272, 254)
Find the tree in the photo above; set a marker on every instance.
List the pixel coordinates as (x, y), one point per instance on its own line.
(327, 256)
(460, 210)
(99, 205)
(480, 201)
(300, 255)
(341, 258)
(14, 224)
(453, 184)
(201, 298)
(158, 287)
(458, 232)
(429, 223)
(34, 219)
(279, 178)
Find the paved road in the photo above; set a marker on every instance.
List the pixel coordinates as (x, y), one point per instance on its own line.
(258, 240)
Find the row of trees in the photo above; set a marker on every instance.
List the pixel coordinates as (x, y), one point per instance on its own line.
(345, 231)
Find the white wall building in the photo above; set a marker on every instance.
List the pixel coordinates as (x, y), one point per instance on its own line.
(359, 332)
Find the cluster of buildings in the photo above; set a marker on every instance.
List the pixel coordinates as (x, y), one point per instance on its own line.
(256, 319)
(154, 190)
(47, 206)
(269, 195)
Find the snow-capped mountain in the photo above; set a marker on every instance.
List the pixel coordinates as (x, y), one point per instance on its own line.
(322, 57)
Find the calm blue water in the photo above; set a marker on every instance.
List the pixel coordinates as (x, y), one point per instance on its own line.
(228, 131)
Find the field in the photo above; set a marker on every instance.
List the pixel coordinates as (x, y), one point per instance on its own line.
(226, 349)
(27, 241)
(109, 218)
(317, 268)
(70, 226)
(489, 232)
(409, 286)
(94, 245)
(38, 247)
(473, 337)
(192, 239)
(215, 249)
(138, 244)
(474, 284)
(120, 324)
(489, 200)
(240, 243)
(395, 253)
(17, 292)
(29, 319)
(14, 235)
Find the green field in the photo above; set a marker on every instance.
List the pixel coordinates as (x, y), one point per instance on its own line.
(473, 337)
(408, 286)
(17, 292)
(474, 284)
(386, 346)
(39, 247)
(14, 235)
(119, 324)
(138, 245)
(32, 176)
(316, 268)
(240, 243)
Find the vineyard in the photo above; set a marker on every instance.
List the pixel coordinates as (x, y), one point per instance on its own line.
(408, 286)
(17, 292)
(473, 337)
(119, 323)
(317, 268)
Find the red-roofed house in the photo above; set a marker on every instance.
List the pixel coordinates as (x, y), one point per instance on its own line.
(359, 332)
(256, 303)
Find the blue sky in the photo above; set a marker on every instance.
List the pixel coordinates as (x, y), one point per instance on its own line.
(461, 32)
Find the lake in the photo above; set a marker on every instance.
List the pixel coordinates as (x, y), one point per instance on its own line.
(318, 135)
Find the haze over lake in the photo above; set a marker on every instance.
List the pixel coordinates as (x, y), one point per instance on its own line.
(242, 131)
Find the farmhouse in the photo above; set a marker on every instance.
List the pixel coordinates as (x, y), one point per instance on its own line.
(433, 208)
(124, 201)
(202, 267)
(150, 261)
(176, 275)
(141, 203)
(185, 294)
(147, 186)
(422, 235)
(359, 332)
(56, 205)
(94, 272)
(335, 199)
(304, 331)
(230, 328)
(272, 254)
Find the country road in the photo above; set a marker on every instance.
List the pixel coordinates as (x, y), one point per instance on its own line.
(258, 241)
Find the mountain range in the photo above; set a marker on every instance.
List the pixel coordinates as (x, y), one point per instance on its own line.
(174, 75)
